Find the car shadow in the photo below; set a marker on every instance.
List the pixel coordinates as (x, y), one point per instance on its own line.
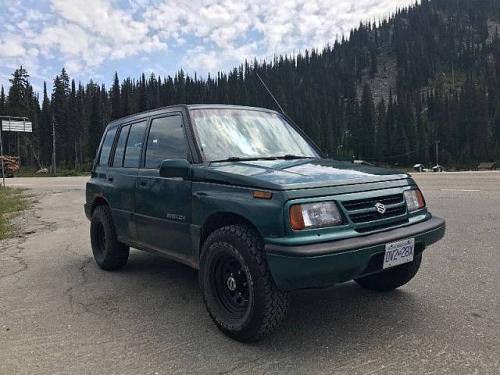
(335, 318)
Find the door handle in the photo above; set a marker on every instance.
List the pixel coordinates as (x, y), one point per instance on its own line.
(143, 183)
(111, 179)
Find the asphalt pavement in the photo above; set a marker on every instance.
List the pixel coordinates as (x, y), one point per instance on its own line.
(61, 314)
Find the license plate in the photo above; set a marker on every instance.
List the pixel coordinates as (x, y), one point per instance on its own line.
(399, 252)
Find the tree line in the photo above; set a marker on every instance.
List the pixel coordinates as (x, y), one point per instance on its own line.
(388, 93)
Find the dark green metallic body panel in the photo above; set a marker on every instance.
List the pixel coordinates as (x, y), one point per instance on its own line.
(296, 174)
(163, 212)
(117, 187)
(298, 272)
(210, 200)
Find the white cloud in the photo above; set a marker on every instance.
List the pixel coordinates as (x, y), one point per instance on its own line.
(208, 35)
(88, 32)
(11, 46)
(230, 31)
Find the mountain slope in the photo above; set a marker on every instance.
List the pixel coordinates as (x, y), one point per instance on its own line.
(387, 93)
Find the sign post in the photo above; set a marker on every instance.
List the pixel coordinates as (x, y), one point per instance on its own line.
(13, 124)
(1, 157)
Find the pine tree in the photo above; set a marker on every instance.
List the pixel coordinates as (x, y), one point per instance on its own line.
(59, 106)
(18, 97)
(20, 104)
(116, 109)
(95, 119)
(45, 129)
(2, 102)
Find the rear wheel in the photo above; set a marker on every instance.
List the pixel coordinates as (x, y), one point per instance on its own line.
(391, 278)
(237, 286)
(109, 253)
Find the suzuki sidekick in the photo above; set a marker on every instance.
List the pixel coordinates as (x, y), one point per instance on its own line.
(243, 195)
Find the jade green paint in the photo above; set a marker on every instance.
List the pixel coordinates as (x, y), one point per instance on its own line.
(167, 212)
(326, 270)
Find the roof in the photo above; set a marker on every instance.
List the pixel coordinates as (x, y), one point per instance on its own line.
(187, 107)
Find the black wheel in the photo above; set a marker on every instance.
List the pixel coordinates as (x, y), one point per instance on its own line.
(237, 286)
(391, 278)
(109, 253)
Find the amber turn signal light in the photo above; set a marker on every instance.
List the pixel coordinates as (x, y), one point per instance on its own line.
(296, 217)
(262, 194)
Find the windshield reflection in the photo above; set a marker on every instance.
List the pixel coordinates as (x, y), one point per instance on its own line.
(231, 134)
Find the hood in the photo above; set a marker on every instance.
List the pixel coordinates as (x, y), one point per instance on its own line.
(296, 174)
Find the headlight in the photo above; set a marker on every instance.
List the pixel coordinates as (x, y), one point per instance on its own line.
(414, 200)
(314, 215)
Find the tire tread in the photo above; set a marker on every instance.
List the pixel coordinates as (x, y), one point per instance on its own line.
(276, 301)
(116, 253)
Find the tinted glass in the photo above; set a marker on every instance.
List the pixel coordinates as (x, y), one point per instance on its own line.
(166, 141)
(134, 145)
(226, 133)
(120, 147)
(106, 146)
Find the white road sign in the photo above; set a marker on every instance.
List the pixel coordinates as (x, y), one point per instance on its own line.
(17, 126)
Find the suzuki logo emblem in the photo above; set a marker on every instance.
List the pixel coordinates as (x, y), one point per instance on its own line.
(380, 208)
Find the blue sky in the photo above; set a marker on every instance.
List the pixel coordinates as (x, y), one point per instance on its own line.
(94, 38)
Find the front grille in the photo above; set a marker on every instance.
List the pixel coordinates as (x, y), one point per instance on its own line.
(361, 204)
(372, 228)
(366, 218)
(363, 217)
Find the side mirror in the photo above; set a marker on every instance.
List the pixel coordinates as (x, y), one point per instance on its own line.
(175, 168)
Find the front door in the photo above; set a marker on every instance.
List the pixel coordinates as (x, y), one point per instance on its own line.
(163, 205)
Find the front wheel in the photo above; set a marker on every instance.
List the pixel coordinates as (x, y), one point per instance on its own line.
(391, 278)
(238, 289)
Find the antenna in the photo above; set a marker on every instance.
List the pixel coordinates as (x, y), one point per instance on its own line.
(270, 93)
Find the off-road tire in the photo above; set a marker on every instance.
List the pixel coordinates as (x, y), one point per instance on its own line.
(109, 253)
(391, 278)
(267, 305)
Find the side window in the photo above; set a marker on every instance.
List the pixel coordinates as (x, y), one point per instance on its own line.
(120, 147)
(134, 145)
(106, 147)
(166, 140)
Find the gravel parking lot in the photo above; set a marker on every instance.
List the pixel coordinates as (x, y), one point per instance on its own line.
(60, 314)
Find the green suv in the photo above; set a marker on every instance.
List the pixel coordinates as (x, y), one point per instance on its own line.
(242, 195)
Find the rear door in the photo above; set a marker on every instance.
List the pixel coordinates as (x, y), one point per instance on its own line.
(163, 205)
(121, 178)
(101, 168)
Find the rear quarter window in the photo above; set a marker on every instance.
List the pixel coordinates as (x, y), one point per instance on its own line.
(106, 147)
(120, 147)
(134, 145)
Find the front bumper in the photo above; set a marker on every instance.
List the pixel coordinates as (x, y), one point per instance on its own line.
(325, 264)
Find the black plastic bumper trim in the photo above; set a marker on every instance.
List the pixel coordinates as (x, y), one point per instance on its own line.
(87, 207)
(434, 224)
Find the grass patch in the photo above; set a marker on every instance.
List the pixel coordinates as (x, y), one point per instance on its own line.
(12, 201)
(31, 172)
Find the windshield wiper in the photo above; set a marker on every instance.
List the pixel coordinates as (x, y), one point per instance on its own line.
(285, 157)
(237, 158)
(292, 157)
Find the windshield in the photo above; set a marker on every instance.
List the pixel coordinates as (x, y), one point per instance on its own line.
(225, 134)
